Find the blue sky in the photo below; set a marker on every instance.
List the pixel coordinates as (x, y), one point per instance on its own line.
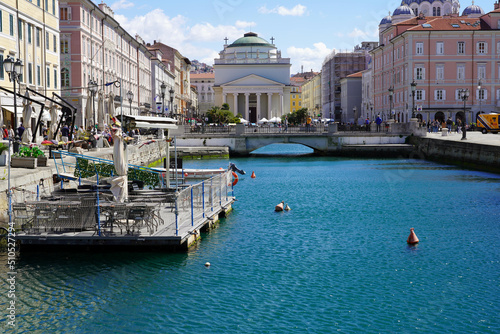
(305, 31)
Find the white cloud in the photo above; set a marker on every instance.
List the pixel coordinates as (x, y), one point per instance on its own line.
(177, 33)
(358, 33)
(310, 58)
(121, 4)
(298, 10)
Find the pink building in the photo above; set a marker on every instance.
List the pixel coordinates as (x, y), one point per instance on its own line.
(95, 47)
(442, 55)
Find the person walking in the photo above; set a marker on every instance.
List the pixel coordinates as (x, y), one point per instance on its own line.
(367, 123)
(20, 131)
(378, 121)
(449, 124)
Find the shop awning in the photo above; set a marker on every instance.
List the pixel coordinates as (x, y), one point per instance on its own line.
(148, 122)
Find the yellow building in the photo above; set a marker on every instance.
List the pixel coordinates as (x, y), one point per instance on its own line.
(311, 96)
(29, 30)
(295, 98)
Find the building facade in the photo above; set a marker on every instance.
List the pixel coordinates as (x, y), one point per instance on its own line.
(29, 31)
(311, 96)
(351, 88)
(94, 47)
(161, 74)
(253, 78)
(442, 56)
(204, 83)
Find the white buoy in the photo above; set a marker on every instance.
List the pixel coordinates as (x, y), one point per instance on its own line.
(207, 264)
(287, 208)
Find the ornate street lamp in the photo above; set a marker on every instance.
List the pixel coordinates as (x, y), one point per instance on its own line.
(171, 92)
(93, 91)
(130, 98)
(481, 95)
(413, 88)
(14, 69)
(391, 105)
(464, 96)
(163, 88)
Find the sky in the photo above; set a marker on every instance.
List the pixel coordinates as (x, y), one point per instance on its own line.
(305, 31)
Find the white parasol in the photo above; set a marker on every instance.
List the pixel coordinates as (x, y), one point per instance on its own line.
(244, 121)
(53, 121)
(111, 105)
(27, 111)
(275, 120)
(119, 184)
(100, 111)
(263, 120)
(88, 110)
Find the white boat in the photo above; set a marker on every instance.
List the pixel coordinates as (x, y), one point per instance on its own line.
(192, 173)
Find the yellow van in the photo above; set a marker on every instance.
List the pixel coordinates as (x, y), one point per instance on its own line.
(488, 122)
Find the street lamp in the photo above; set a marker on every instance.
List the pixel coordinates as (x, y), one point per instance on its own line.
(413, 88)
(130, 97)
(14, 68)
(464, 95)
(163, 88)
(171, 92)
(93, 91)
(480, 94)
(391, 95)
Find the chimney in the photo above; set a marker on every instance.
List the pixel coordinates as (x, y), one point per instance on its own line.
(496, 5)
(154, 42)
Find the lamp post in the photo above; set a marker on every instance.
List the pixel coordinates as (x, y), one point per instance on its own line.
(130, 97)
(413, 88)
(171, 92)
(464, 95)
(391, 96)
(481, 95)
(163, 88)
(14, 68)
(93, 91)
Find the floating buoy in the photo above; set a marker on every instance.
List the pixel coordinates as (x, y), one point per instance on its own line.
(412, 238)
(207, 264)
(253, 175)
(287, 208)
(185, 174)
(279, 207)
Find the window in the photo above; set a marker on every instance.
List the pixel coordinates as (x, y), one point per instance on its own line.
(439, 72)
(415, 10)
(47, 5)
(1, 28)
(436, 11)
(38, 3)
(48, 77)
(47, 41)
(38, 75)
(64, 77)
(2, 75)
(481, 94)
(53, 7)
(65, 14)
(38, 32)
(293, 103)
(419, 48)
(439, 95)
(419, 73)
(481, 48)
(461, 48)
(439, 48)
(498, 48)
(481, 71)
(11, 24)
(20, 29)
(30, 73)
(55, 43)
(461, 72)
(64, 46)
(29, 33)
(419, 95)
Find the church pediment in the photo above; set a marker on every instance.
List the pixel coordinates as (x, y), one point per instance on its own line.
(253, 80)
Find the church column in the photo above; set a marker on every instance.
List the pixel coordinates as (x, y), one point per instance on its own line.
(281, 105)
(224, 98)
(235, 103)
(269, 105)
(258, 106)
(247, 106)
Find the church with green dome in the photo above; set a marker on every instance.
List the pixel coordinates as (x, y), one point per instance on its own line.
(253, 78)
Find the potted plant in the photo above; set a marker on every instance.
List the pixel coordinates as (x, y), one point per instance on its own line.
(29, 157)
(3, 157)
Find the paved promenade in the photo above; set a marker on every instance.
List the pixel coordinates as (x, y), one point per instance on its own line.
(474, 137)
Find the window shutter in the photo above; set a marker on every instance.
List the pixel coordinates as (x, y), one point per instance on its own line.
(435, 95)
(69, 13)
(477, 94)
(485, 94)
(423, 94)
(477, 47)
(444, 94)
(485, 48)
(423, 73)
(415, 73)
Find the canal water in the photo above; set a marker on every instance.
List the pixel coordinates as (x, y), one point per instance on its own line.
(337, 262)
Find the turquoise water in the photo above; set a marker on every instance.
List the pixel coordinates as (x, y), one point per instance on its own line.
(337, 262)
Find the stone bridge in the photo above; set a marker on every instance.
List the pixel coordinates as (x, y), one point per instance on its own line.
(242, 140)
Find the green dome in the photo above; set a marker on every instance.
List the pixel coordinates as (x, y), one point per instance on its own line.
(251, 39)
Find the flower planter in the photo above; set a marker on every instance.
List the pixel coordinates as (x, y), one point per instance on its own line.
(41, 161)
(22, 162)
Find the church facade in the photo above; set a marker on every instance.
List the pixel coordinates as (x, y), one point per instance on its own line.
(253, 78)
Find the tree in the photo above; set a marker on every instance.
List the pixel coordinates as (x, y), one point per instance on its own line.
(298, 117)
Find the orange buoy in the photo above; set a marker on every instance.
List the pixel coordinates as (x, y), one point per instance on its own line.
(235, 176)
(412, 238)
(253, 175)
(185, 174)
(279, 207)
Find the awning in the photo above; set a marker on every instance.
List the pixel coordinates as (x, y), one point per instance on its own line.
(11, 109)
(148, 122)
(148, 125)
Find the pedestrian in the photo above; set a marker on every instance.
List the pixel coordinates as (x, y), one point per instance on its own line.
(11, 132)
(308, 123)
(65, 135)
(449, 124)
(5, 132)
(286, 123)
(378, 121)
(20, 131)
(367, 123)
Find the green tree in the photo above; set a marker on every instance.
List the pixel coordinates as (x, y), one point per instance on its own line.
(298, 117)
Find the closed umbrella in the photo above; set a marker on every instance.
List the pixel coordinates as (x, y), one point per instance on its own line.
(53, 121)
(1, 113)
(111, 105)
(88, 109)
(119, 184)
(100, 111)
(27, 111)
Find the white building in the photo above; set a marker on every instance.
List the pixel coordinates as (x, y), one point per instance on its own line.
(253, 79)
(204, 83)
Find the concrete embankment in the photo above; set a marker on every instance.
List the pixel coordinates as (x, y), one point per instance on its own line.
(478, 151)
